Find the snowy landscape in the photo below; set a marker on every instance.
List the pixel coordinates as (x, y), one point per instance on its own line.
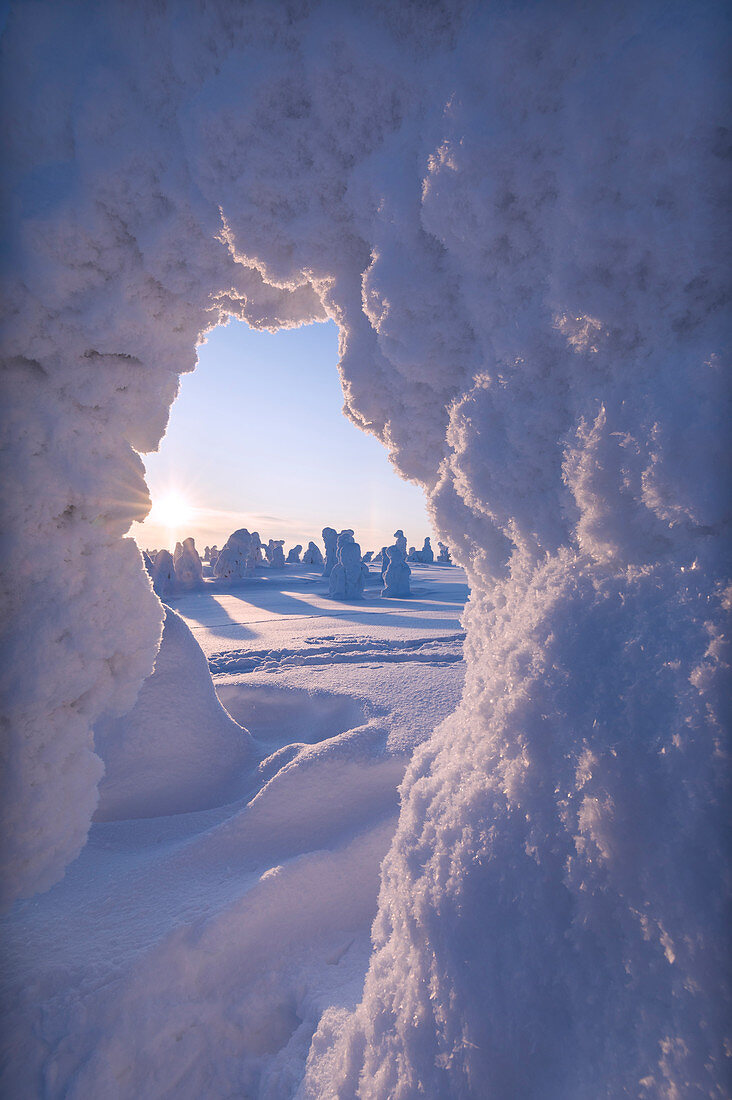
(331, 803)
(257, 842)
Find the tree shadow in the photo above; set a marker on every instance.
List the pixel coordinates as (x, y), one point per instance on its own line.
(278, 594)
(202, 607)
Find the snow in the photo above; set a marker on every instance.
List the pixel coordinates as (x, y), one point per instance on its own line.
(275, 554)
(397, 572)
(330, 540)
(188, 565)
(348, 574)
(177, 750)
(313, 555)
(227, 890)
(516, 215)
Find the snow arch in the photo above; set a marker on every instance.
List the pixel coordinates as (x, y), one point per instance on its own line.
(529, 271)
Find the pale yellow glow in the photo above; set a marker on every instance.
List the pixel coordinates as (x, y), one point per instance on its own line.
(171, 510)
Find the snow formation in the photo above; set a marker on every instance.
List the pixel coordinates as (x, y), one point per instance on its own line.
(177, 750)
(396, 573)
(163, 573)
(515, 214)
(313, 555)
(239, 557)
(293, 556)
(347, 575)
(188, 565)
(275, 554)
(330, 540)
(400, 541)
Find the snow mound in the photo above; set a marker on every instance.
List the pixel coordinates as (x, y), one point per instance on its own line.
(177, 750)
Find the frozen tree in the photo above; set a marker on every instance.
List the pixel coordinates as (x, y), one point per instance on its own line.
(347, 576)
(427, 554)
(235, 559)
(293, 557)
(256, 555)
(400, 540)
(275, 554)
(188, 567)
(396, 575)
(313, 555)
(368, 556)
(163, 573)
(413, 554)
(444, 555)
(330, 538)
(213, 555)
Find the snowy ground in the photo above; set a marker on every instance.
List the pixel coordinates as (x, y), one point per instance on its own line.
(192, 954)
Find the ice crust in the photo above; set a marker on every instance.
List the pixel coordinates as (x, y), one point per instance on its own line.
(515, 213)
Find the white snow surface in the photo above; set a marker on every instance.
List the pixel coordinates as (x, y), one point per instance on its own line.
(516, 213)
(177, 750)
(225, 896)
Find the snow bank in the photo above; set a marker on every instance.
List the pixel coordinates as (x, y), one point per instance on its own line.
(177, 750)
(515, 216)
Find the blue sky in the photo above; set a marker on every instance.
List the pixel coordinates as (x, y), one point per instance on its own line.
(257, 439)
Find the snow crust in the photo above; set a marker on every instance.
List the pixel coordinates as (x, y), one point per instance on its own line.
(516, 216)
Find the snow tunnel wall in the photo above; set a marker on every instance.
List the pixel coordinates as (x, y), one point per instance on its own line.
(515, 215)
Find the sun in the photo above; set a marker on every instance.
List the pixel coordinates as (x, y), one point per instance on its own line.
(172, 510)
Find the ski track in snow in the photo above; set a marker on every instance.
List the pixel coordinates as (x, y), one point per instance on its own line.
(445, 650)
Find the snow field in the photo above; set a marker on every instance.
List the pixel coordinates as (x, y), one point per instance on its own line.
(192, 948)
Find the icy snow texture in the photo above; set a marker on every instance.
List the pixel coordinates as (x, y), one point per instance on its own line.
(516, 216)
(177, 750)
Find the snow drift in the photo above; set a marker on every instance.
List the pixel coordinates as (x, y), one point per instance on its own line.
(177, 750)
(515, 214)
